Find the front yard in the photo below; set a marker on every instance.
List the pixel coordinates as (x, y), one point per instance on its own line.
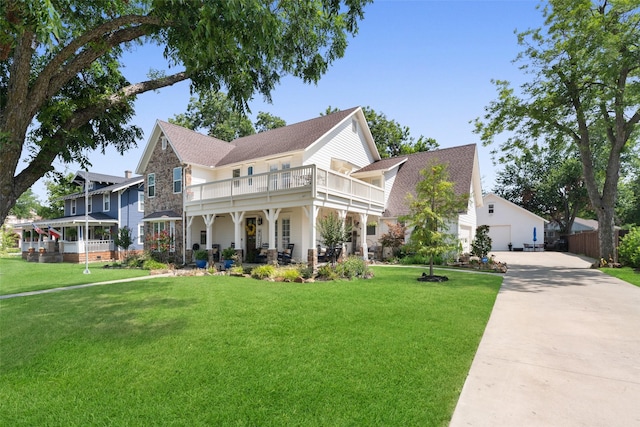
(219, 350)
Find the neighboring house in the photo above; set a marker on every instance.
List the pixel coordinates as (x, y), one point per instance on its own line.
(510, 224)
(580, 225)
(266, 191)
(113, 202)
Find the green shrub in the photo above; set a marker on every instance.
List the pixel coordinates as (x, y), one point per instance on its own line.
(305, 271)
(352, 266)
(152, 264)
(134, 260)
(327, 272)
(629, 248)
(237, 270)
(290, 274)
(263, 271)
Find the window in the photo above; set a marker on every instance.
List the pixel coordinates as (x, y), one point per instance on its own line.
(73, 206)
(274, 176)
(140, 234)
(106, 202)
(164, 142)
(151, 185)
(490, 208)
(376, 182)
(177, 180)
(236, 174)
(250, 172)
(203, 237)
(286, 177)
(354, 126)
(90, 204)
(371, 230)
(140, 201)
(286, 232)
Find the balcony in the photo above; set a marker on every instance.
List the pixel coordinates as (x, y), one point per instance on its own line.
(291, 183)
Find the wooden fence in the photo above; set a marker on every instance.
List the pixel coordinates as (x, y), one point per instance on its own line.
(587, 243)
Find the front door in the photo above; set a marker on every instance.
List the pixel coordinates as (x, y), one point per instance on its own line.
(250, 238)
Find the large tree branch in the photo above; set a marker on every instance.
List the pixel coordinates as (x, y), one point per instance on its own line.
(105, 36)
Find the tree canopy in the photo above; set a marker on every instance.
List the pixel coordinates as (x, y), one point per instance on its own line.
(584, 91)
(62, 88)
(216, 113)
(431, 212)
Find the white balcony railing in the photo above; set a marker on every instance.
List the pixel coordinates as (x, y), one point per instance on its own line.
(304, 178)
(74, 247)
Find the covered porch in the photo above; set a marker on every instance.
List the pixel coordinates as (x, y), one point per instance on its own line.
(70, 240)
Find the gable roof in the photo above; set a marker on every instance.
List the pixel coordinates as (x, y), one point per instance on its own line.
(126, 183)
(190, 147)
(295, 137)
(490, 196)
(81, 176)
(460, 162)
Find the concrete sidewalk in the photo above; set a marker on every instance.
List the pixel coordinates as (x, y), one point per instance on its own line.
(562, 348)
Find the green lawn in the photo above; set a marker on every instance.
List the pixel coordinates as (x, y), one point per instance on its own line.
(219, 350)
(18, 275)
(627, 274)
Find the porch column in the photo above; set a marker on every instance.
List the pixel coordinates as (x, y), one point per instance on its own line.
(342, 214)
(272, 215)
(312, 255)
(363, 236)
(237, 218)
(188, 233)
(208, 221)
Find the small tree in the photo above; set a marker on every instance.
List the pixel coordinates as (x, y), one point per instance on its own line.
(431, 210)
(333, 231)
(481, 244)
(394, 238)
(123, 239)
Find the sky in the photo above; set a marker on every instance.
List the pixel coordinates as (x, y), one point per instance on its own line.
(427, 64)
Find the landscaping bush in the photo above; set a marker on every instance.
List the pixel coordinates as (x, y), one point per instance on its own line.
(152, 264)
(327, 272)
(289, 274)
(629, 249)
(263, 271)
(352, 266)
(305, 271)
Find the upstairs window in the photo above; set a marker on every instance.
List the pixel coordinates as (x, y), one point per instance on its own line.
(73, 207)
(89, 204)
(164, 142)
(106, 202)
(490, 208)
(250, 173)
(177, 180)
(151, 185)
(354, 126)
(140, 201)
(236, 174)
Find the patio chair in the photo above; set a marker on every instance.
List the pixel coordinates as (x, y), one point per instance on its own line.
(262, 255)
(284, 257)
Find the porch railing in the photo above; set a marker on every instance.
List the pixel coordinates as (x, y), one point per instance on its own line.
(74, 247)
(300, 178)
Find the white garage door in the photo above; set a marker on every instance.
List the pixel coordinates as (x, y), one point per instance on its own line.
(500, 237)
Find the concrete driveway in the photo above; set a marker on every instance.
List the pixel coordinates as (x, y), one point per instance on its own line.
(562, 348)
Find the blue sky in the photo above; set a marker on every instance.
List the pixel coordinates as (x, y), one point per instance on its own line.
(427, 64)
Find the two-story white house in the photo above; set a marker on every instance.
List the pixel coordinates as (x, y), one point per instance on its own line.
(268, 190)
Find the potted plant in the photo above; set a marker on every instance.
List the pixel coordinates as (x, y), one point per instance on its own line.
(229, 256)
(202, 256)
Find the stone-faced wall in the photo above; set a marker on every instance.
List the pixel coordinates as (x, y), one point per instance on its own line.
(162, 163)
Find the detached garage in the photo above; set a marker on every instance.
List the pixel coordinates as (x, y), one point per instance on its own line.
(509, 224)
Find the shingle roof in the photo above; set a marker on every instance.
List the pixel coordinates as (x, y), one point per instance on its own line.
(162, 216)
(126, 182)
(97, 177)
(294, 137)
(193, 147)
(460, 162)
(383, 164)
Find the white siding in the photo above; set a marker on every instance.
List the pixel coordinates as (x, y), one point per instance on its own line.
(341, 143)
(506, 214)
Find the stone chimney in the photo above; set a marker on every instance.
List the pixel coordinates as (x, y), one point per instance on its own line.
(127, 174)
